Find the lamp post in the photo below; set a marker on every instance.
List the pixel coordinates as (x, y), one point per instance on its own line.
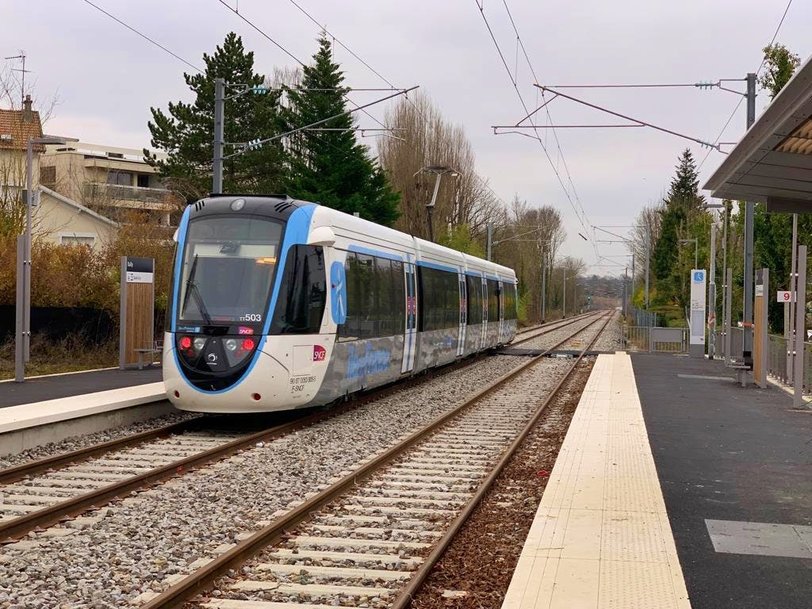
(696, 250)
(22, 340)
(439, 171)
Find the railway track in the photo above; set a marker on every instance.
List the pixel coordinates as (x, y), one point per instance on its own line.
(371, 539)
(47, 491)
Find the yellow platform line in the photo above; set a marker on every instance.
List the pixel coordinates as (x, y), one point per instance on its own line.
(601, 536)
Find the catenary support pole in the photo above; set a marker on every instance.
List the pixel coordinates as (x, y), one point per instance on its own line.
(543, 286)
(728, 313)
(489, 230)
(19, 340)
(793, 276)
(712, 294)
(217, 164)
(800, 330)
(725, 302)
(749, 209)
(564, 304)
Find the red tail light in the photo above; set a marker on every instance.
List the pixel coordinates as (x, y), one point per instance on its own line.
(185, 342)
(248, 344)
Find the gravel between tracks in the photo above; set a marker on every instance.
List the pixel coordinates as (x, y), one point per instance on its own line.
(611, 339)
(132, 546)
(480, 562)
(77, 442)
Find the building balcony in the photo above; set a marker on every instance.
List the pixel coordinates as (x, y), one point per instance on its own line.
(137, 197)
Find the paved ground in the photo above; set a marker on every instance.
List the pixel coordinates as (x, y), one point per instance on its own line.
(64, 385)
(724, 453)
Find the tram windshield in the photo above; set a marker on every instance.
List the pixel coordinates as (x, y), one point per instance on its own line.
(228, 269)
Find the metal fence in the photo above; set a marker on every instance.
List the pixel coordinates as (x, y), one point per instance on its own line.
(655, 340)
(643, 318)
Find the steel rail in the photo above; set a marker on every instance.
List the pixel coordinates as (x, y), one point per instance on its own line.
(203, 578)
(405, 597)
(50, 515)
(12, 474)
(18, 472)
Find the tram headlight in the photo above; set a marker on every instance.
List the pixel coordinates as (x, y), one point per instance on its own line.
(231, 344)
(199, 343)
(185, 342)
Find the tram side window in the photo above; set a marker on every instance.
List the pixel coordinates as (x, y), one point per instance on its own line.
(440, 299)
(474, 286)
(376, 304)
(302, 294)
(392, 304)
(493, 300)
(510, 301)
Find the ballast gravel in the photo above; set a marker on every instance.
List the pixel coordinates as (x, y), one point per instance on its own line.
(111, 557)
(78, 442)
(138, 543)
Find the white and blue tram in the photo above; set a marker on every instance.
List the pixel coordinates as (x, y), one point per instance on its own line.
(279, 304)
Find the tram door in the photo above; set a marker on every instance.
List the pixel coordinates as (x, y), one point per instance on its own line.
(501, 294)
(463, 314)
(410, 330)
(483, 337)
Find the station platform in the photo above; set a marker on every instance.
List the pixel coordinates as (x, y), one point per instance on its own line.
(52, 408)
(674, 488)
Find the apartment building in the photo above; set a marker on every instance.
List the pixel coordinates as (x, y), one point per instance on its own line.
(108, 179)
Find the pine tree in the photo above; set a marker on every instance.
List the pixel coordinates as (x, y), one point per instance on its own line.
(685, 185)
(187, 132)
(329, 166)
(683, 208)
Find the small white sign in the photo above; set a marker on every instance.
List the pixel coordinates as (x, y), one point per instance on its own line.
(136, 277)
(784, 296)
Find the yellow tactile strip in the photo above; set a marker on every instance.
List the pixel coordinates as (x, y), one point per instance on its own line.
(601, 537)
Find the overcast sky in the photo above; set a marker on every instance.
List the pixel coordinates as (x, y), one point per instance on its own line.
(105, 78)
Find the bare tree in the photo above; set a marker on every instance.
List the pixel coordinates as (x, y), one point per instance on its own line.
(422, 138)
(645, 232)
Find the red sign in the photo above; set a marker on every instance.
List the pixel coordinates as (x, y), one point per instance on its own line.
(243, 330)
(319, 353)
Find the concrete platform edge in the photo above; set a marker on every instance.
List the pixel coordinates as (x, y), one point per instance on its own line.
(29, 425)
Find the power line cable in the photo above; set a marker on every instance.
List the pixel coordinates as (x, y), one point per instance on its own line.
(291, 55)
(739, 103)
(144, 36)
(578, 213)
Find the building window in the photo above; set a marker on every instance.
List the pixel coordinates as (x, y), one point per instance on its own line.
(120, 178)
(47, 176)
(143, 180)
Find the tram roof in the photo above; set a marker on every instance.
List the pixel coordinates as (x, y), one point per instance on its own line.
(772, 163)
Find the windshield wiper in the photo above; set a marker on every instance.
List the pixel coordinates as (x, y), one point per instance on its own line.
(191, 288)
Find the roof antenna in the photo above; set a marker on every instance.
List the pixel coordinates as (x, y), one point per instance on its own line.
(21, 56)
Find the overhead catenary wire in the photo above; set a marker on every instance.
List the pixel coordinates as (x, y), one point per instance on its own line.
(291, 55)
(739, 103)
(579, 213)
(144, 36)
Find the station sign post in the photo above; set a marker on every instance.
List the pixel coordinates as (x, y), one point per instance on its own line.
(696, 343)
(137, 310)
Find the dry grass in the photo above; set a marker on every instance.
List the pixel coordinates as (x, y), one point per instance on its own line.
(51, 357)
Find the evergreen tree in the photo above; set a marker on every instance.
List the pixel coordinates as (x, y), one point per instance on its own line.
(330, 167)
(685, 185)
(682, 210)
(187, 132)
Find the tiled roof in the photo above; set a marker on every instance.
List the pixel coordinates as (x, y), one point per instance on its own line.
(14, 132)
